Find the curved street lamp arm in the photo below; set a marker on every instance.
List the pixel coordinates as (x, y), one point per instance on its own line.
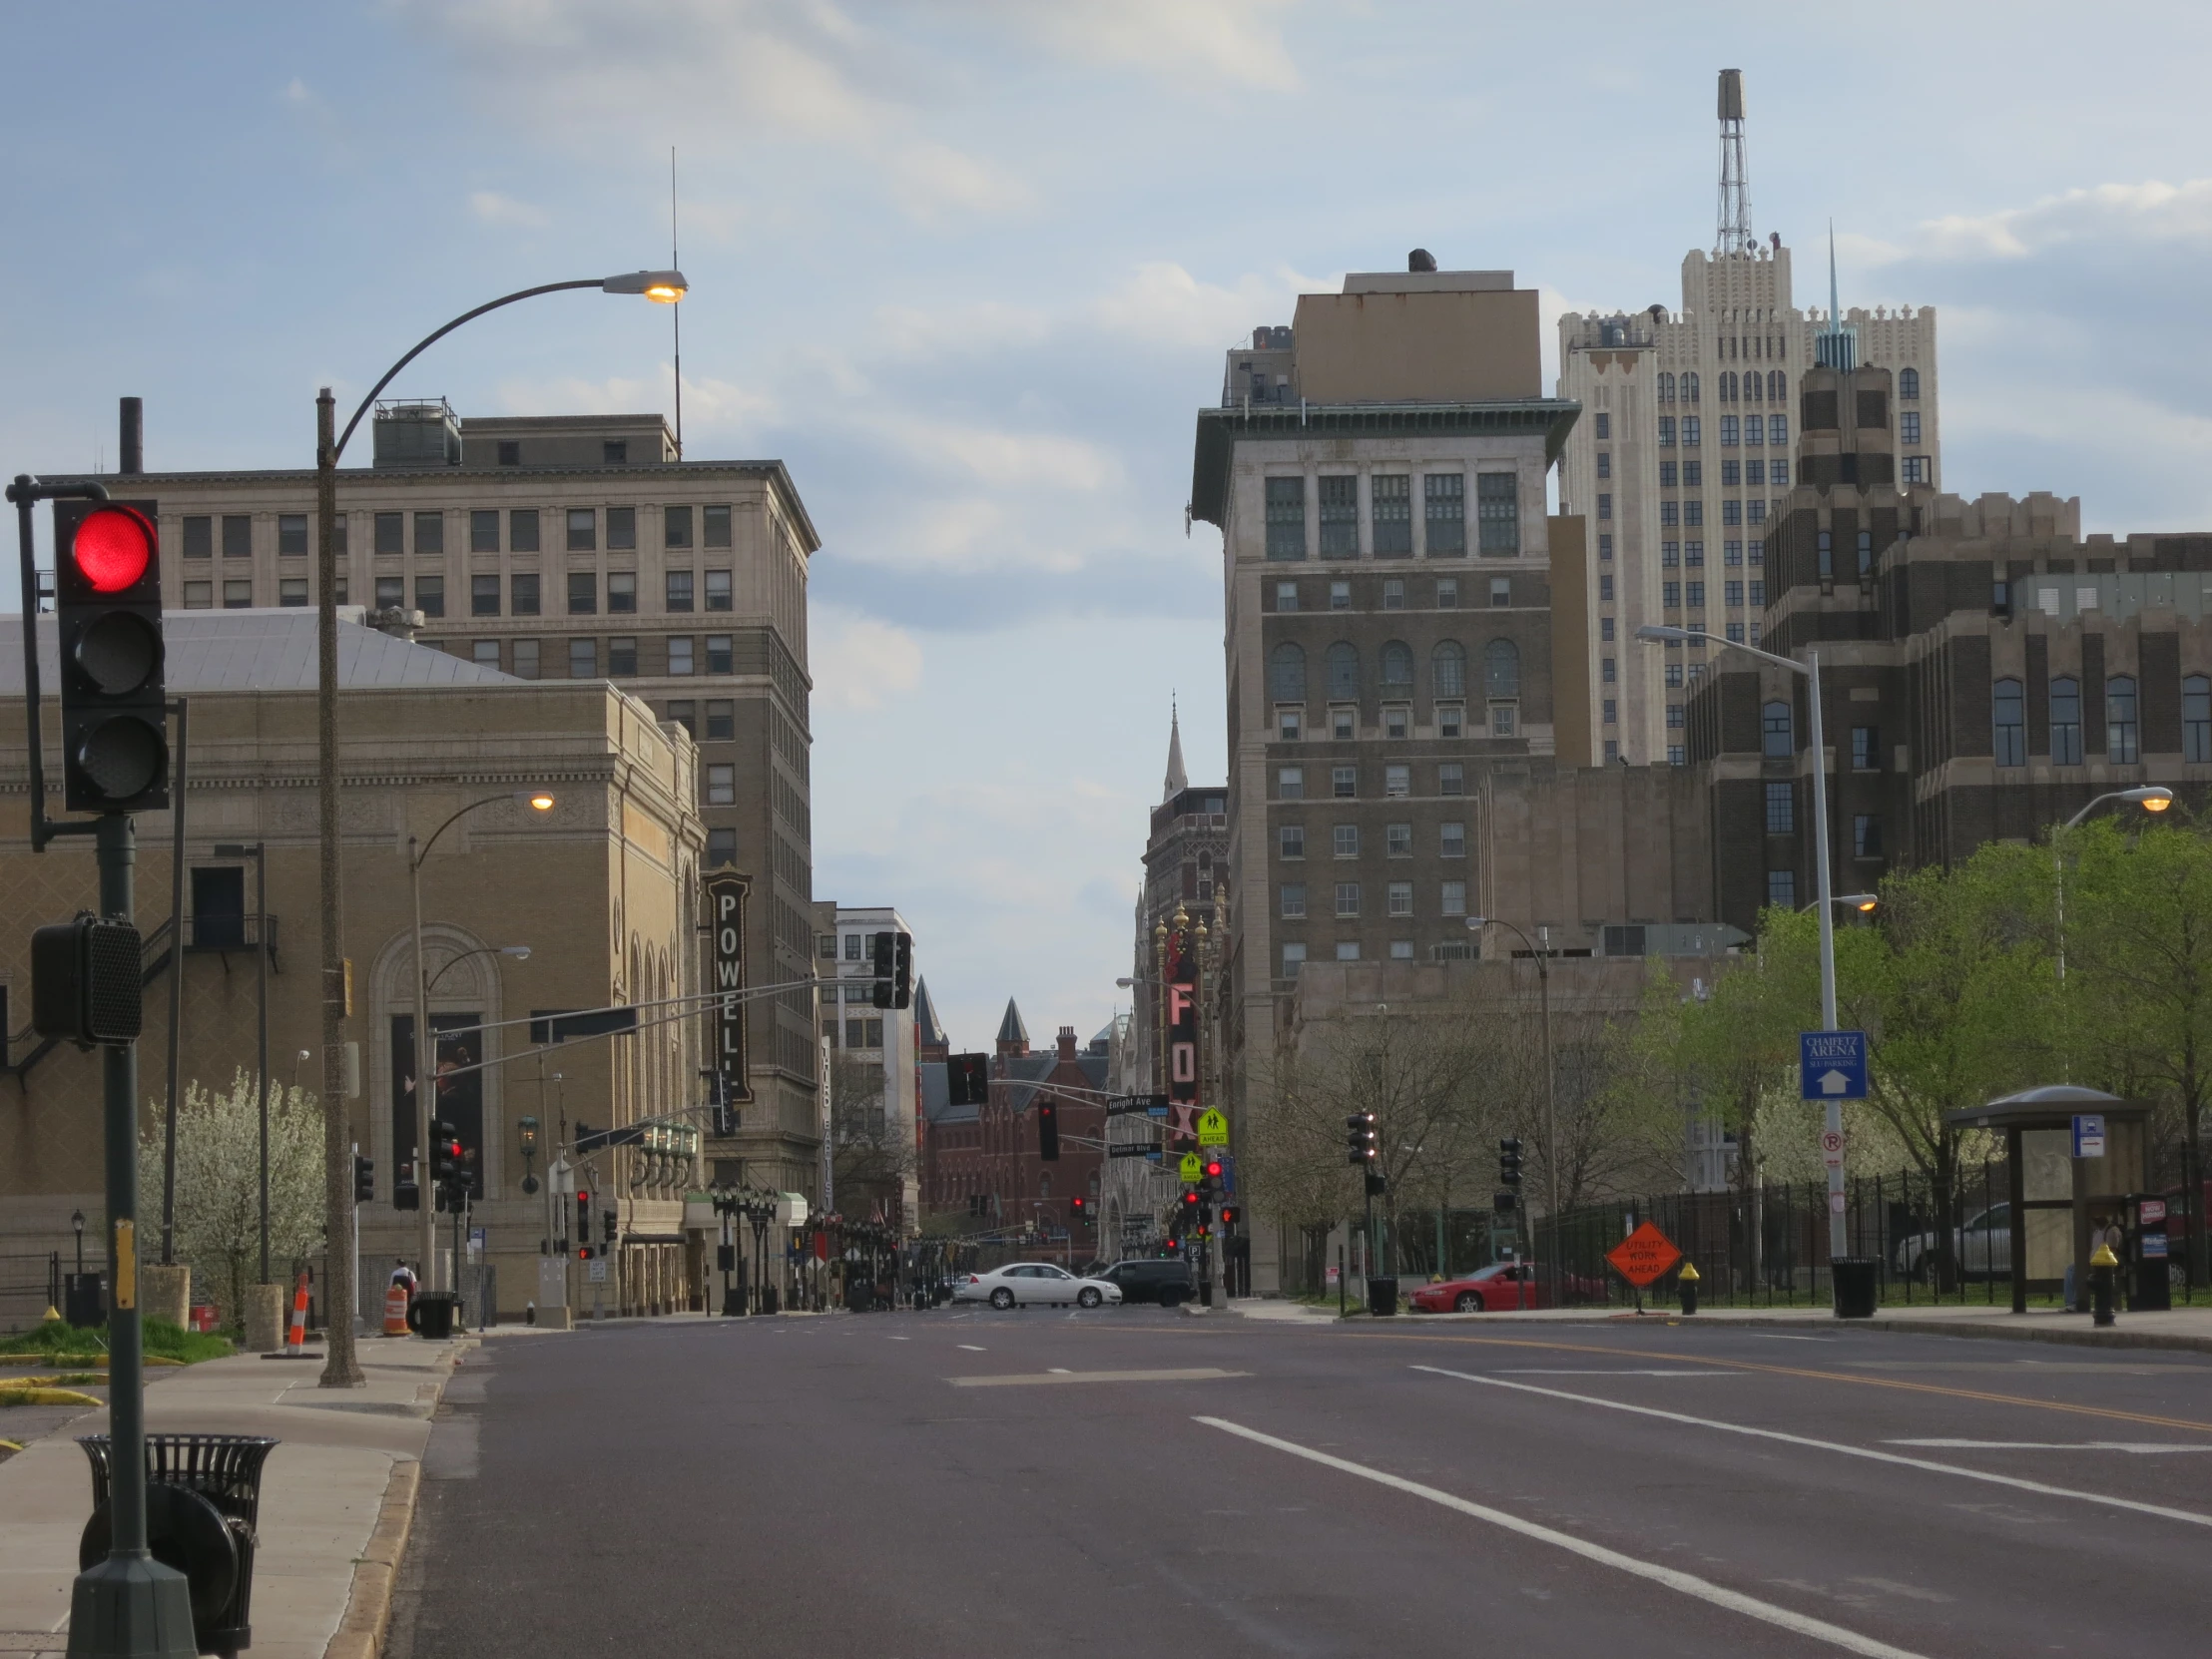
(429, 341)
(425, 850)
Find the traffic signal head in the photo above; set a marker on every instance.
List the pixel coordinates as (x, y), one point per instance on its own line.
(1048, 1130)
(608, 1220)
(583, 1217)
(1509, 1163)
(108, 612)
(1189, 1200)
(86, 980)
(1213, 1172)
(1360, 1138)
(902, 970)
(885, 949)
(406, 1193)
(364, 1180)
(1229, 1215)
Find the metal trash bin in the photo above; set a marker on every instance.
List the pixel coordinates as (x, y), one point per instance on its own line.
(431, 1314)
(1854, 1286)
(1382, 1297)
(85, 1299)
(202, 1502)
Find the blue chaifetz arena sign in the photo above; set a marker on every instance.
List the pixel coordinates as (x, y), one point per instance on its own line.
(1831, 1065)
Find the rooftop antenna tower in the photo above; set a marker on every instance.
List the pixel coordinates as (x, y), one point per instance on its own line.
(1837, 345)
(1734, 235)
(676, 323)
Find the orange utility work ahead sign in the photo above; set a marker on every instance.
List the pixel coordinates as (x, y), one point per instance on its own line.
(1644, 1255)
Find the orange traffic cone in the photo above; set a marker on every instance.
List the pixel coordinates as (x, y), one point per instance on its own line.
(396, 1311)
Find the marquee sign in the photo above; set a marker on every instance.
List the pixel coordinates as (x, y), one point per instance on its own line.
(728, 895)
(1181, 992)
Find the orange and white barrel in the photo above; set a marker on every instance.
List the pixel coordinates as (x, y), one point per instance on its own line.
(396, 1311)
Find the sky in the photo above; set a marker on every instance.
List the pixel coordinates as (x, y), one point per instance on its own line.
(968, 268)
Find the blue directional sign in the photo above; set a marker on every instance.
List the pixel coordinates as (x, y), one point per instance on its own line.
(2089, 1135)
(1831, 1065)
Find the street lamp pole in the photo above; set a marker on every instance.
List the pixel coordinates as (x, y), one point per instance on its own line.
(663, 286)
(259, 852)
(1838, 1242)
(1551, 1091)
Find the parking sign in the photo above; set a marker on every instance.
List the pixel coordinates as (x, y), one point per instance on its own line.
(1831, 1065)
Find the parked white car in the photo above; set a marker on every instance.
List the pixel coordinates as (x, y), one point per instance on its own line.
(1033, 1283)
(1982, 1247)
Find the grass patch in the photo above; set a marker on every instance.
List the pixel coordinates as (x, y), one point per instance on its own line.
(58, 1343)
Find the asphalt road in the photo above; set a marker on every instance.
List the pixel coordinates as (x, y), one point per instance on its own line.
(977, 1484)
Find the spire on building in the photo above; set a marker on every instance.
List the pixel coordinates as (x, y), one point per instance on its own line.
(1837, 345)
(928, 1033)
(1733, 234)
(1013, 1036)
(1178, 778)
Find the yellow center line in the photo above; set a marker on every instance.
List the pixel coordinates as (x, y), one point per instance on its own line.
(2107, 1411)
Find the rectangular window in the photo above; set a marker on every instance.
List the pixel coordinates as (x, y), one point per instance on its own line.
(1452, 779)
(685, 713)
(1390, 499)
(1908, 426)
(680, 654)
(484, 652)
(2196, 718)
(1866, 837)
(1286, 518)
(1398, 720)
(1668, 475)
(199, 537)
(1755, 473)
(1605, 468)
(1781, 809)
(621, 656)
(523, 530)
(1497, 510)
(1917, 470)
(1292, 906)
(1673, 676)
(199, 596)
(1758, 592)
(714, 523)
(583, 529)
(1732, 553)
(526, 659)
(1674, 717)
(1782, 888)
(1397, 781)
(1401, 898)
(1693, 474)
(1293, 958)
(1444, 512)
(1339, 516)
(679, 584)
(2121, 732)
(1451, 840)
(583, 658)
(622, 593)
(1677, 754)
(1604, 425)
(1346, 840)
(1605, 506)
(483, 530)
(391, 533)
(1735, 593)
(1666, 431)
(1340, 595)
(1756, 553)
(1693, 554)
(583, 593)
(721, 720)
(483, 596)
(613, 451)
(1287, 724)
(1612, 714)
(1670, 513)
(722, 848)
(718, 590)
(522, 595)
(1696, 595)
(238, 595)
(676, 527)
(291, 592)
(2008, 717)
(1290, 840)
(1670, 595)
(1450, 719)
(722, 786)
(1866, 749)
(1448, 594)
(1348, 899)
(1606, 548)
(1394, 594)
(719, 657)
(1732, 512)
(1343, 781)
(292, 535)
(1693, 512)
(1453, 898)
(1397, 840)
(238, 536)
(1608, 669)
(391, 592)
(1605, 587)
(1290, 782)
(1286, 596)
(1732, 473)
(622, 529)
(1690, 431)
(511, 452)
(429, 536)
(1777, 434)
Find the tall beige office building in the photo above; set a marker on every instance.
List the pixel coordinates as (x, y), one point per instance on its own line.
(1688, 445)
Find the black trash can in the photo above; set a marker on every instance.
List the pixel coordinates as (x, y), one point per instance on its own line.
(1855, 1278)
(85, 1299)
(202, 1501)
(1382, 1297)
(431, 1314)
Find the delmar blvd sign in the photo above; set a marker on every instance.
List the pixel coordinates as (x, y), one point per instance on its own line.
(1831, 1065)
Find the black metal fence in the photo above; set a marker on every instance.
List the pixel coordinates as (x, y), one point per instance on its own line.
(30, 1282)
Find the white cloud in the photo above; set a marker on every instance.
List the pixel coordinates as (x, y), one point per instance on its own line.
(495, 209)
(1217, 40)
(860, 663)
(1163, 304)
(295, 92)
(721, 401)
(1006, 460)
(2148, 213)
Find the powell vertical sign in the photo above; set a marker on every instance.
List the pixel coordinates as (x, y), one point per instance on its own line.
(1181, 992)
(727, 899)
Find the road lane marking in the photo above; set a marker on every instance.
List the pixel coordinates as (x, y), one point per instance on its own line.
(1195, 1373)
(1546, 1370)
(1780, 1337)
(1869, 1453)
(2140, 1447)
(970, 1347)
(2187, 1425)
(1850, 1641)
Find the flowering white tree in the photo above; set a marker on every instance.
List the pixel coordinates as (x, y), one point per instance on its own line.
(218, 1185)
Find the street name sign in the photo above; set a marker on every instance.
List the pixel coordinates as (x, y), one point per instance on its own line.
(1643, 1255)
(1831, 1065)
(2089, 1135)
(1192, 1168)
(1213, 1128)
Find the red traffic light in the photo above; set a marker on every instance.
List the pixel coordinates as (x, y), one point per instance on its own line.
(1190, 1197)
(1213, 1169)
(583, 1200)
(112, 548)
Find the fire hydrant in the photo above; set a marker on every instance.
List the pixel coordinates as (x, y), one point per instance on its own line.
(2102, 1265)
(1686, 1284)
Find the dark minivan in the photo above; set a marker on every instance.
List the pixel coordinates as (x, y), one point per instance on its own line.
(1151, 1278)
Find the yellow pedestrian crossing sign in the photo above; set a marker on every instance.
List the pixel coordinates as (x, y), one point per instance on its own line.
(1213, 1128)
(1193, 1169)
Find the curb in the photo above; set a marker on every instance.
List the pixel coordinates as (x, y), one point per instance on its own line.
(2075, 1336)
(360, 1633)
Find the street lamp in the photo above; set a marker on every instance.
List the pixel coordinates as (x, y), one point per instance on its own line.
(425, 1041)
(660, 287)
(77, 1221)
(2152, 798)
(519, 952)
(1839, 1243)
(259, 852)
(1476, 924)
(1863, 902)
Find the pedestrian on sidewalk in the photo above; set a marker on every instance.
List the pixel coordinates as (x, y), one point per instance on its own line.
(404, 1276)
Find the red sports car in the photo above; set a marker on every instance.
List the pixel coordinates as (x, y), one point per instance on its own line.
(1501, 1288)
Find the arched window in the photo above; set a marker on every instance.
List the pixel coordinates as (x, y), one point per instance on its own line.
(1447, 668)
(1727, 389)
(1909, 384)
(1689, 388)
(1666, 388)
(1775, 740)
(1502, 669)
(1344, 672)
(1778, 388)
(1397, 669)
(2008, 715)
(1287, 674)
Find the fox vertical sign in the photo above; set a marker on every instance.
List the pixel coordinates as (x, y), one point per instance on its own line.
(727, 899)
(1181, 994)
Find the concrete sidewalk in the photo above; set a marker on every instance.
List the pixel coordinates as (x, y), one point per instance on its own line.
(325, 1515)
